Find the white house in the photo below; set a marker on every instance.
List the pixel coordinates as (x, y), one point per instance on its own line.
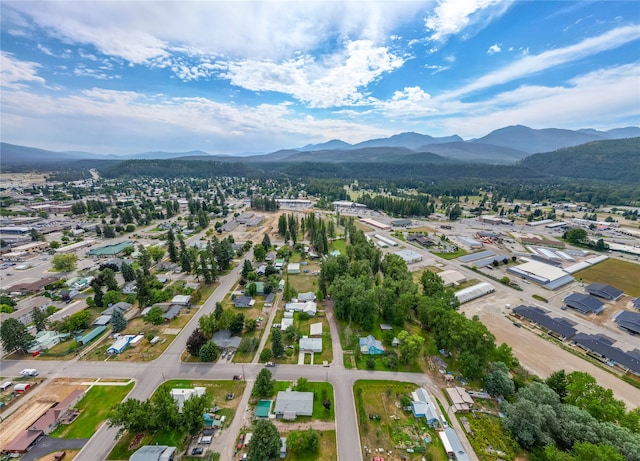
(181, 395)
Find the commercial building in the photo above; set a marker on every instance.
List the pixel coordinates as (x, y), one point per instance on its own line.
(629, 321)
(583, 303)
(409, 256)
(558, 327)
(602, 347)
(474, 292)
(110, 251)
(604, 291)
(548, 276)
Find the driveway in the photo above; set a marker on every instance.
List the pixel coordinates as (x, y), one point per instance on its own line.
(47, 445)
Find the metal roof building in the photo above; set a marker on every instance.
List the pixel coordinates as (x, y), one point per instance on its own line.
(560, 327)
(546, 275)
(602, 346)
(629, 321)
(602, 290)
(409, 256)
(473, 292)
(583, 303)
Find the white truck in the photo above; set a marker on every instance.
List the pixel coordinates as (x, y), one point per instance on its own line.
(29, 372)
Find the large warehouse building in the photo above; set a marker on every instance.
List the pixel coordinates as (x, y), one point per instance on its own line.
(548, 276)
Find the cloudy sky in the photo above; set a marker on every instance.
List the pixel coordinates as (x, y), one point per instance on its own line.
(235, 77)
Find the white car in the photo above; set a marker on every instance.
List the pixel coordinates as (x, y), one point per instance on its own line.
(29, 372)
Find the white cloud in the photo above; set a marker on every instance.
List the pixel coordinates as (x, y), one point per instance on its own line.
(330, 81)
(495, 48)
(15, 74)
(409, 103)
(604, 96)
(109, 121)
(535, 63)
(451, 17)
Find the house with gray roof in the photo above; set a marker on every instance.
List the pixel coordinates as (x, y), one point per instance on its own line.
(290, 404)
(225, 340)
(154, 453)
(604, 291)
(244, 301)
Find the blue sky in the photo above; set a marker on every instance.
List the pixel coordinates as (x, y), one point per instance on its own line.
(233, 76)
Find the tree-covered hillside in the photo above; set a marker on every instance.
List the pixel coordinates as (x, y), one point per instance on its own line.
(617, 160)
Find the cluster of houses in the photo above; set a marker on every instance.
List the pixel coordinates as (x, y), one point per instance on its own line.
(423, 406)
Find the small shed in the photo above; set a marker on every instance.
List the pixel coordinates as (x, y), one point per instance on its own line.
(293, 268)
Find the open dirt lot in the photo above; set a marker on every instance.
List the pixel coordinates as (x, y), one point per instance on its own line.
(538, 355)
(37, 403)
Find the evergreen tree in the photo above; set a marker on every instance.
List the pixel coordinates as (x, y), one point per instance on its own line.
(171, 245)
(128, 274)
(264, 384)
(276, 343)
(118, 321)
(40, 318)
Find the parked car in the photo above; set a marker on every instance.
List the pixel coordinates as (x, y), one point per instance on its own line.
(270, 364)
(197, 451)
(237, 377)
(29, 372)
(240, 441)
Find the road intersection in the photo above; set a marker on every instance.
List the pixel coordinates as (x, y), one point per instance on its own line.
(149, 375)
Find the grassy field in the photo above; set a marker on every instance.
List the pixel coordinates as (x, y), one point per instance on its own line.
(94, 408)
(488, 439)
(328, 449)
(623, 275)
(339, 245)
(395, 427)
(449, 256)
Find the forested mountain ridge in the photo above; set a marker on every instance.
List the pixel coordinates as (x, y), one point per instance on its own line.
(617, 160)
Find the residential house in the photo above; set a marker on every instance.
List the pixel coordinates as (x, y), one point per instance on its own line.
(308, 296)
(244, 301)
(290, 404)
(371, 346)
(183, 300)
(154, 453)
(224, 340)
(121, 344)
(423, 406)
(181, 395)
(268, 302)
(310, 344)
(460, 398)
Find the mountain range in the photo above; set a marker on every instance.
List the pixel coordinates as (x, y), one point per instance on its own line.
(503, 146)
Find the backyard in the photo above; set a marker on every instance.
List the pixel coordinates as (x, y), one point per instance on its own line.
(384, 424)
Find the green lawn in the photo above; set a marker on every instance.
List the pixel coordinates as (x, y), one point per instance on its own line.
(328, 449)
(449, 256)
(624, 275)
(94, 408)
(339, 245)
